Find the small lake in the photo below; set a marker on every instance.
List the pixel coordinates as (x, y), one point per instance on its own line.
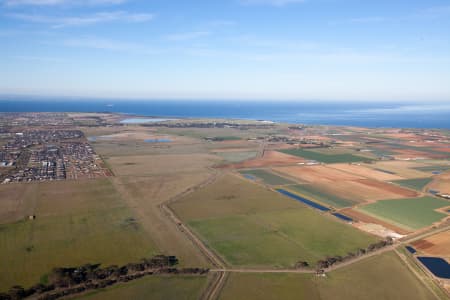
(303, 200)
(143, 121)
(438, 266)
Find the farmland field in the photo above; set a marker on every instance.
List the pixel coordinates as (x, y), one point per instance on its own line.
(267, 177)
(236, 156)
(365, 171)
(346, 185)
(265, 229)
(312, 192)
(325, 158)
(270, 158)
(230, 195)
(366, 218)
(405, 169)
(415, 184)
(379, 277)
(412, 213)
(77, 222)
(433, 168)
(153, 287)
(437, 245)
(151, 165)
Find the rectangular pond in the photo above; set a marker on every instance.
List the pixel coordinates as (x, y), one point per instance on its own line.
(411, 249)
(343, 217)
(303, 200)
(438, 266)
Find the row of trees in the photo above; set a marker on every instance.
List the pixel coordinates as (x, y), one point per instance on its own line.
(331, 260)
(67, 281)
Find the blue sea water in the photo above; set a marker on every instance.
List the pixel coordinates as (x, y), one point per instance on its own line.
(414, 115)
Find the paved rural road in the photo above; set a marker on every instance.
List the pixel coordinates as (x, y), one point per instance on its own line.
(214, 288)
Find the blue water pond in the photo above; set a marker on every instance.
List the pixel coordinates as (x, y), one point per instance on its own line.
(303, 200)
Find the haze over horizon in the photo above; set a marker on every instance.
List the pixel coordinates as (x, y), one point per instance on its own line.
(230, 49)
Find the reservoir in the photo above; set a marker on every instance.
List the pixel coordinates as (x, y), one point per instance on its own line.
(303, 200)
(438, 266)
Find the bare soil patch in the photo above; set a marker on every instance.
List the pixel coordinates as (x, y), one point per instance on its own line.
(390, 188)
(317, 173)
(438, 244)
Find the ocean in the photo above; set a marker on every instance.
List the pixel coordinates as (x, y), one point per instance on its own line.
(365, 114)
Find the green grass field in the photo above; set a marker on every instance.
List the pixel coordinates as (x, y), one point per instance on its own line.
(416, 184)
(227, 138)
(413, 213)
(279, 238)
(380, 277)
(251, 226)
(325, 158)
(310, 191)
(268, 177)
(77, 222)
(153, 287)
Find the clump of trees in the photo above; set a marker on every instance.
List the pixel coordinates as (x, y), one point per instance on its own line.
(72, 280)
(301, 265)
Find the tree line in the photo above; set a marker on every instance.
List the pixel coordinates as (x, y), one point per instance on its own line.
(73, 280)
(332, 260)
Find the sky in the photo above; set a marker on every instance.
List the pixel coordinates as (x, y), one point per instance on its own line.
(385, 50)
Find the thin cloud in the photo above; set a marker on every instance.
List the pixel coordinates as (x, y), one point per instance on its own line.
(434, 12)
(102, 17)
(38, 58)
(270, 2)
(185, 36)
(61, 2)
(100, 43)
(222, 23)
(110, 45)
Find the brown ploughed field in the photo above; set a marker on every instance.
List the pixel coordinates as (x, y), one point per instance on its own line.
(438, 244)
(346, 185)
(366, 172)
